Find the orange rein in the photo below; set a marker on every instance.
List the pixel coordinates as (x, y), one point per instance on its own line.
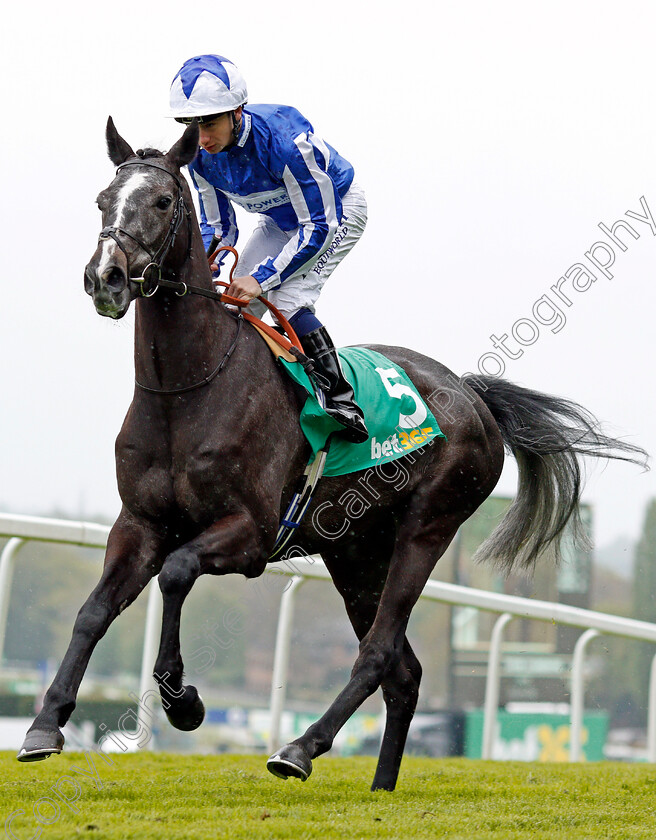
(285, 343)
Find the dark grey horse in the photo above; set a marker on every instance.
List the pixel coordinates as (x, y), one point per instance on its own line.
(211, 451)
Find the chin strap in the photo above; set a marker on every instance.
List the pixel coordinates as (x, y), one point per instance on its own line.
(236, 127)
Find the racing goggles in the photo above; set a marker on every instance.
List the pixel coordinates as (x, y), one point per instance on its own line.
(206, 118)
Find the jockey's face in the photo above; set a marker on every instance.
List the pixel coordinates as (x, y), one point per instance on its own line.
(217, 135)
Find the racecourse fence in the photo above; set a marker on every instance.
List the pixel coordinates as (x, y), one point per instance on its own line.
(20, 529)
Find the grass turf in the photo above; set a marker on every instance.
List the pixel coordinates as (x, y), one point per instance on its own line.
(200, 797)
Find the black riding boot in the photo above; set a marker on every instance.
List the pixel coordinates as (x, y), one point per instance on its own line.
(340, 399)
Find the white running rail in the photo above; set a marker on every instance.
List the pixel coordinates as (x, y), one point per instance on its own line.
(20, 529)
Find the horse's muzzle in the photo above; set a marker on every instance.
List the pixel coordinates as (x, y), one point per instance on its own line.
(110, 290)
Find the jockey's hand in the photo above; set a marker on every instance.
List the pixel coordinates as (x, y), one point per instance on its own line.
(246, 288)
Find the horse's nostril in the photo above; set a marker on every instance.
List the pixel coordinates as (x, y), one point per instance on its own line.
(114, 279)
(88, 283)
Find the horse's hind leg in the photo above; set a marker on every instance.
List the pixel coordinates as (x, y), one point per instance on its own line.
(422, 539)
(401, 692)
(400, 685)
(130, 562)
(359, 571)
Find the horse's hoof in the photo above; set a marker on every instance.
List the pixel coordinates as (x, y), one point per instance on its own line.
(291, 760)
(39, 745)
(186, 712)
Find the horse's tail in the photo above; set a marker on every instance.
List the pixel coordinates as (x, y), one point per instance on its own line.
(546, 435)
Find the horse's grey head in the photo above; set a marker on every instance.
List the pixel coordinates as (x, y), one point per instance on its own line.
(143, 210)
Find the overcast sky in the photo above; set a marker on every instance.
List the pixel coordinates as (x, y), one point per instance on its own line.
(491, 138)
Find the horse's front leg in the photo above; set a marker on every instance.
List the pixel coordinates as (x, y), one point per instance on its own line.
(230, 545)
(130, 562)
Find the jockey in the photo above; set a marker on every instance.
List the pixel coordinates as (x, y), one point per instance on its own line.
(268, 160)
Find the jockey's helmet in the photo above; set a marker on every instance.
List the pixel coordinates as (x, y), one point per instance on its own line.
(205, 86)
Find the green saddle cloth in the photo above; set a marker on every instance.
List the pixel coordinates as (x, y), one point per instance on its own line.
(398, 419)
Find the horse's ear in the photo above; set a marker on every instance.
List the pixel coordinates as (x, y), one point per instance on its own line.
(186, 149)
(117, 148)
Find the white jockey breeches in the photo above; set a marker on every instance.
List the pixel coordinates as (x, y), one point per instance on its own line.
(301, 290)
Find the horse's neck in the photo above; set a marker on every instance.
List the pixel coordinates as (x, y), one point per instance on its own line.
(178, 339)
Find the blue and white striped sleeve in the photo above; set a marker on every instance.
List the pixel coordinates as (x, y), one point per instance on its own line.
(317, 205)
(217, 216)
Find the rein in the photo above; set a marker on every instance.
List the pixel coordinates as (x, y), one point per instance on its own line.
(291, 344)
(206, 381)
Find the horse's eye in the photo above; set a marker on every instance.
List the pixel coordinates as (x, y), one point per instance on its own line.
(164, 202)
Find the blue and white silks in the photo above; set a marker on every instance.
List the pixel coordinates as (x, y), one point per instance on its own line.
(279, 168)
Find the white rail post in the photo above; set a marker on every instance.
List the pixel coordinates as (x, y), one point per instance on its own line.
(6, 576)
(492, 685)
(651, 721)
(578, 694)
(281, 660)
(153, 624)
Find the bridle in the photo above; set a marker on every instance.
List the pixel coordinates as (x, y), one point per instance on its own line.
(153, 271)
(181, 211)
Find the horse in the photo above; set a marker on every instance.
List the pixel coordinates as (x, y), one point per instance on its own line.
(211, 450)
